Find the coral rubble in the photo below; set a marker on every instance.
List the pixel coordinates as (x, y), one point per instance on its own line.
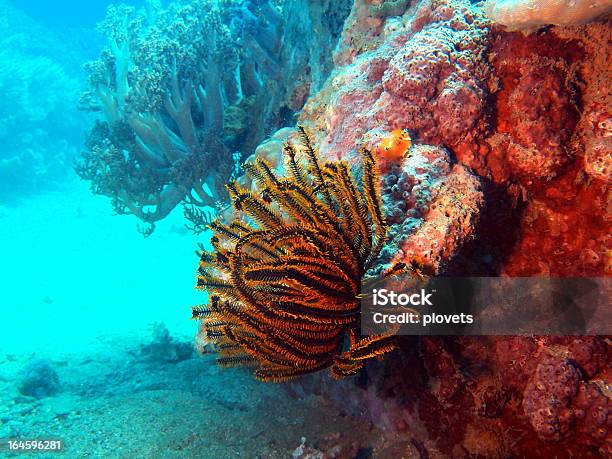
(39, 379)
(164, 348)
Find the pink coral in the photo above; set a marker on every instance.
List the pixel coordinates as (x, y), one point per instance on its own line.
(439, 74)
(428, 77)
(559, 404)
(547, 397)
(450, 211)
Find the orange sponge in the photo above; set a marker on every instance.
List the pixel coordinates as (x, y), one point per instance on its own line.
(395, 145)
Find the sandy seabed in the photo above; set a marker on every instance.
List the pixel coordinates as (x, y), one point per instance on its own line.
(85, 292)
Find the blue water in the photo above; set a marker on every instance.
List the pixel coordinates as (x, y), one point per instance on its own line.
(94, 282)
(74, 276)
(67, 13)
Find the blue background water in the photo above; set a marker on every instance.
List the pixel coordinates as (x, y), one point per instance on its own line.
(68, 13)
(99, 276)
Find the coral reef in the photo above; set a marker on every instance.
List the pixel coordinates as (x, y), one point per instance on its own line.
(187, 91)
(594, 129)
(508, 174)
(559, 403)
(528, 15)
(537, 107)
(428, 76)
(284, 285)
(527, 114)
(39, 379)
(566, 217)
(484, 396)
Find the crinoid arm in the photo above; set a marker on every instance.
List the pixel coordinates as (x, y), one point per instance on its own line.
(284, 278)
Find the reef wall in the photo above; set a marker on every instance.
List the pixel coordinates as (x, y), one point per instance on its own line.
(509, 175)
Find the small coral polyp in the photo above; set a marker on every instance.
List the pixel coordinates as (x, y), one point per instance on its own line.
(285, 275)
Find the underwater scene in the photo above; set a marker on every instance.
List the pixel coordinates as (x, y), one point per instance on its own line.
(306, 229)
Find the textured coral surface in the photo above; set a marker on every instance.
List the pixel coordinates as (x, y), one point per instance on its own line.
(485, 396)
(528, 114)
(422, 79)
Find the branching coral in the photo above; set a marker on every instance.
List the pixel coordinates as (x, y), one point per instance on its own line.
(285, 278)
(182, 89)
(165, 86)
